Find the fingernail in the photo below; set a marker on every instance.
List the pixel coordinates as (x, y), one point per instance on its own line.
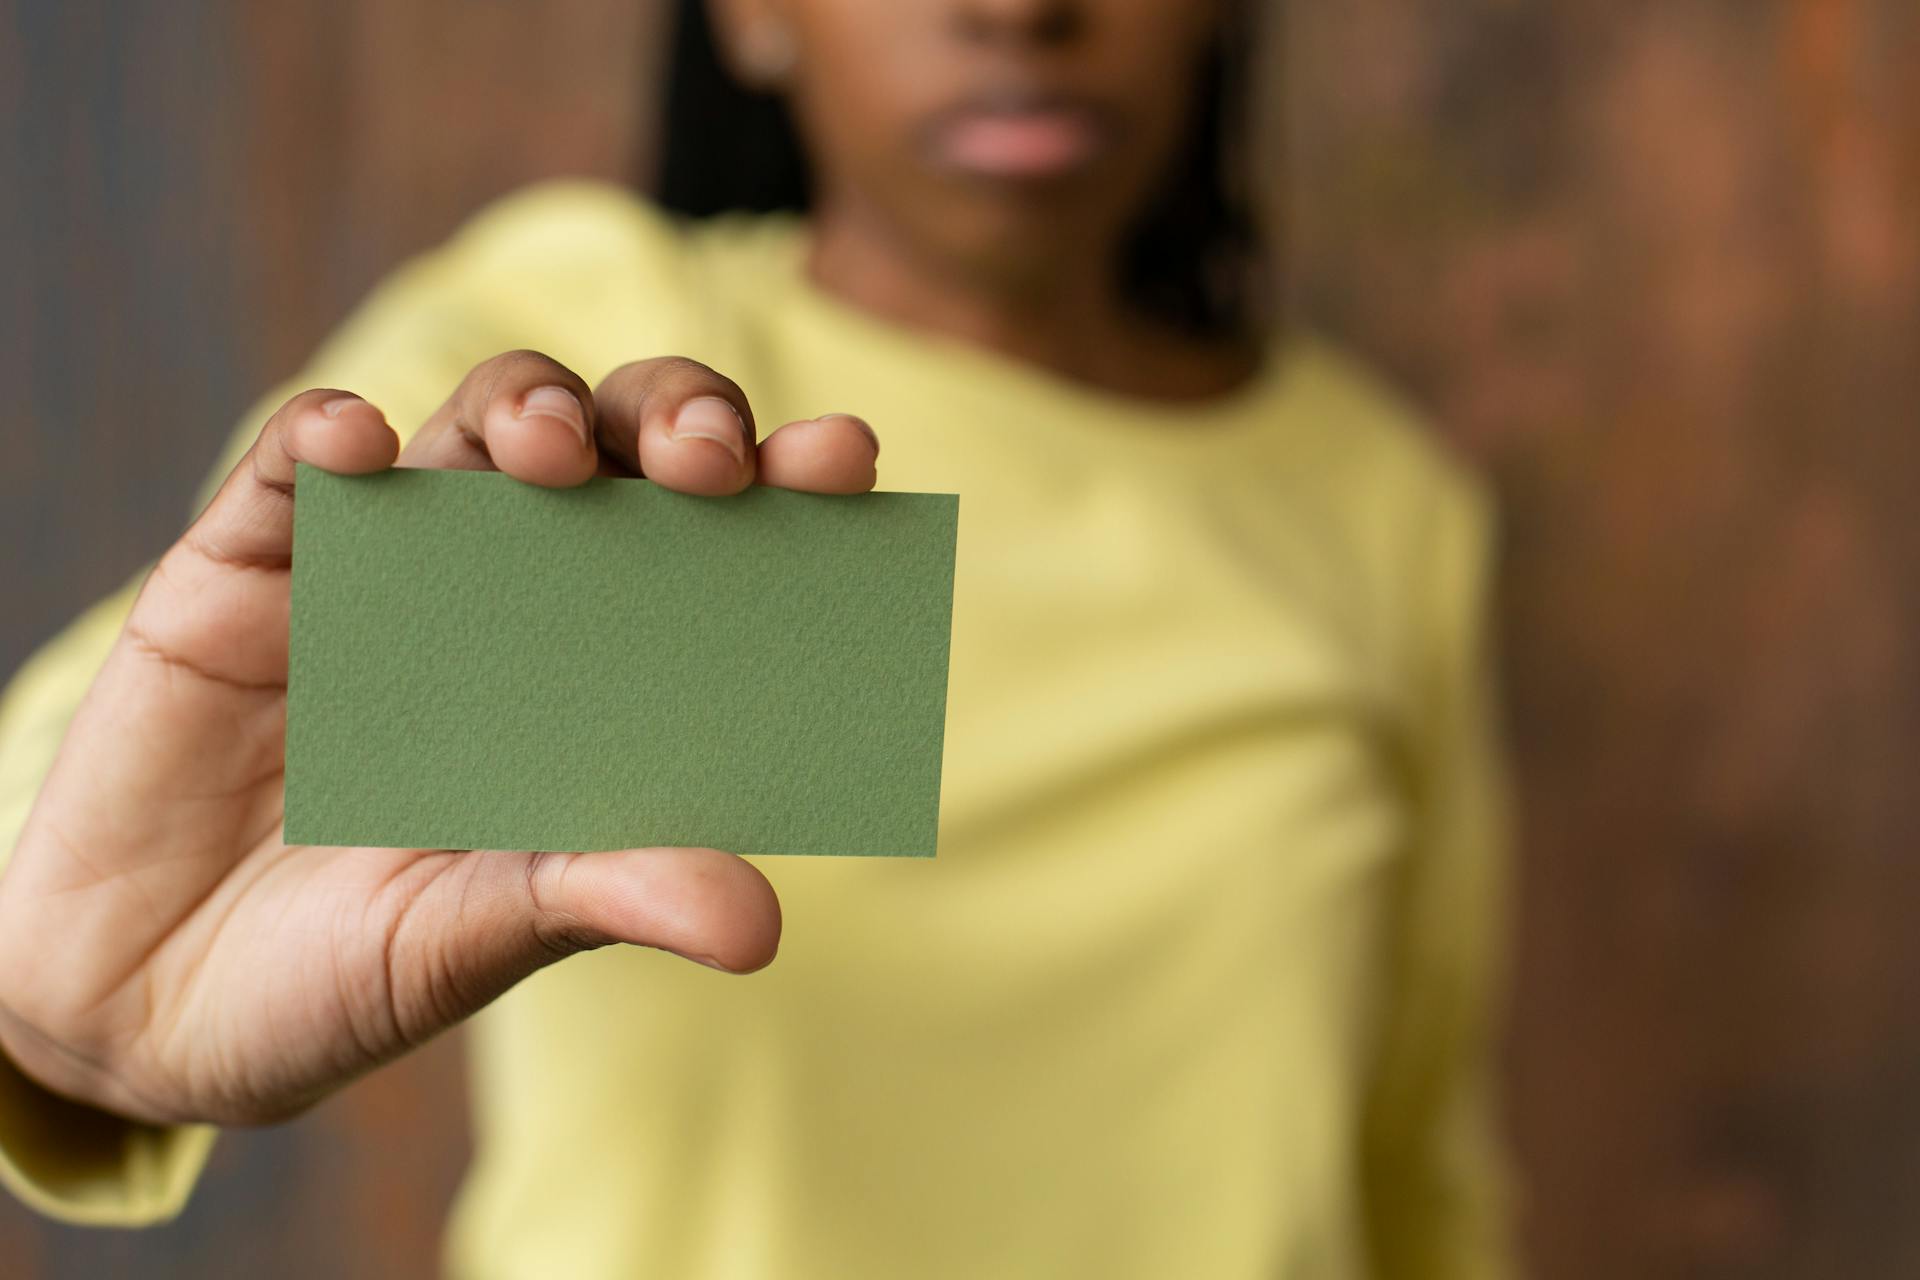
(857, 421)
(711, 418)
(555, 402)
(339, 405)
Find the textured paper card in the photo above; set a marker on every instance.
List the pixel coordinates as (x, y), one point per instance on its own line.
(480, 663)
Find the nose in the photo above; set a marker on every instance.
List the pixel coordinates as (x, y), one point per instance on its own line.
(1020, 22)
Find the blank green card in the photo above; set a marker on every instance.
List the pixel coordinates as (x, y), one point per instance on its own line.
(479, 663)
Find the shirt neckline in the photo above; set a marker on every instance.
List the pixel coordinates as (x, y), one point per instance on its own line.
(1228, 413)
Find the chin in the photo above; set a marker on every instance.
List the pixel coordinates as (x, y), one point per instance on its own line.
(1020, 228)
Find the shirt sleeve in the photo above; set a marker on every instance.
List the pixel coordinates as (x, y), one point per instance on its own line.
(517, 275)
(1437, 1187)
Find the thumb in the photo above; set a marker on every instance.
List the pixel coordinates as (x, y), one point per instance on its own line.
(504, 915)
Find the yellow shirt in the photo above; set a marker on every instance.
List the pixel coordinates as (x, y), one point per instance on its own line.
(1200, 982)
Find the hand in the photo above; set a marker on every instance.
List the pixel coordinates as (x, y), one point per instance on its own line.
(164, 956)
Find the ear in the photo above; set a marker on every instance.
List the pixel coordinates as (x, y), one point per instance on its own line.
(755, 39)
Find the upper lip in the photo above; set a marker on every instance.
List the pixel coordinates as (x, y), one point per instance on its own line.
(1018, 100)
(1010, 99)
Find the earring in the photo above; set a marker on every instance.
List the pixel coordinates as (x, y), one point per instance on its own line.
(767, 56)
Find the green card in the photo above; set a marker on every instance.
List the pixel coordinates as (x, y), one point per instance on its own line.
(480, 663)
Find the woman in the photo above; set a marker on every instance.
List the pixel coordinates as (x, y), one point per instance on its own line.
(1198, 985)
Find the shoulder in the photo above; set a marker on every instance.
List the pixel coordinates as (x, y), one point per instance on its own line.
(1386, 464)
(568, 225)
(1375, 438)
(560, 257)
(1419, 523)
(597, 226)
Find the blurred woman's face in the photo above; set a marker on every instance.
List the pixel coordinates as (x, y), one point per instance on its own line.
(998, 135)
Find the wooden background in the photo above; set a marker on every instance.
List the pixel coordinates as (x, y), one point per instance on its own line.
(1656, 263)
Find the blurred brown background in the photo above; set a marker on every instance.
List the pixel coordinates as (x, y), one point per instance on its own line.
(1656, 263)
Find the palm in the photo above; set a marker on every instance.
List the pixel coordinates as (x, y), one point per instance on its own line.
(217, 944)
(309, 966)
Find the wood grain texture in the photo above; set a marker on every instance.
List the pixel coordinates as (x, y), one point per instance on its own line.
(1654, 265)
(194, 193)
(1651, 262)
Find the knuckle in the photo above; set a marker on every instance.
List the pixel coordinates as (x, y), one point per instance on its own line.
(512, 371)
(556, 933)
(561, 938)
(698, 377)
(635, 376)
(664, 372)
(520, 356)
(268, 477)
(685, 367)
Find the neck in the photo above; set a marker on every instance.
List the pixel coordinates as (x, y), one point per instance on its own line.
(1064, 313)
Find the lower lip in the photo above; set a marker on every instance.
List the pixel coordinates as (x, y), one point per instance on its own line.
(1035, 144)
